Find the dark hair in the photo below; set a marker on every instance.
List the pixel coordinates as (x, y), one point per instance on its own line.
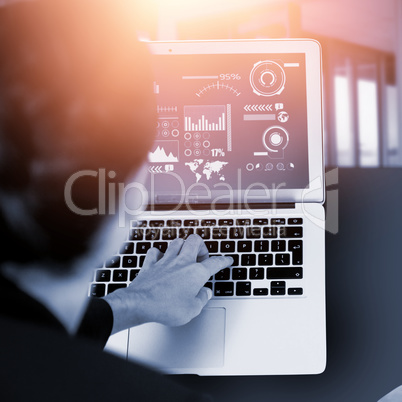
(75, 94)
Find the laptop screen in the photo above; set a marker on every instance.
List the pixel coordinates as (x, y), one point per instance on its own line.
(228, 124)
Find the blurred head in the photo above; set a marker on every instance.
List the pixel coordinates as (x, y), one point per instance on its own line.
(75, 94)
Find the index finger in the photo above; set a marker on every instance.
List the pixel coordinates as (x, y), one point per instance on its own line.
(216, 263)
(194, 248)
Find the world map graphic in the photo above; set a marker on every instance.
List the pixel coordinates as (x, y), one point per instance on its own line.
(208, 169)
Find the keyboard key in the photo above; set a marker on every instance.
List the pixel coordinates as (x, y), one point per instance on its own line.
(243, 222)
(296, 247)
(136, 234)
(245, 246)
(260, 292)
(253, 232)
(269, 232)
(143, 247)
(191, 222)
(235, 259)
(120, 275)
(156, 223)
(285, 273)
(224, 288)
(223, 275)
(243, 288)
(208, 285)
(225, 222)
(261, 245)
(169, 233)
(260, 221)
(278, 291)
(204, 233)
(129, 262)
(295, 221)
(208, 222)
(113, 262)
(212, 246)
(102, 275)
(265, 259)
(236, 233)
(278, 245)
(141, 224)
(248, 259)
(141, 261)
(277, 221)
(239, 273)
(134, 273)
(127, 248)
(278, 284)
(152, 234)
(291, 232)
(220, 233)
(295, 291)
(173, 223)
(228, 247)
(185, 232)
(282, 259)
(114, 286)
(278, 288)
(161, 246)
(256, 273)
(97, 290)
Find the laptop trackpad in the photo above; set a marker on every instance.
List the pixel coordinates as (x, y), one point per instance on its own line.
(200, 343)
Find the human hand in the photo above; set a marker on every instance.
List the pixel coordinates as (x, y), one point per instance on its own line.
(169, 288)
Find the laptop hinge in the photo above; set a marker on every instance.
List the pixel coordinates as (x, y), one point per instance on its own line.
(208, 207)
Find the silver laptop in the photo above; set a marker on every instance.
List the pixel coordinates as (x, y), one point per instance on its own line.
(238, 160)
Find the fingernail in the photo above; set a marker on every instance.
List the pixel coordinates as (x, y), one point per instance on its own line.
(209, 293)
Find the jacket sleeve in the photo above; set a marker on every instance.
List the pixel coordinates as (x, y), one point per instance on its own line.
(97, 322)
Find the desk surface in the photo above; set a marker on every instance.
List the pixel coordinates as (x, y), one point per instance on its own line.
(364, 304)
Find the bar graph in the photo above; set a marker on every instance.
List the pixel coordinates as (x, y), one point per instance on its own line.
(205, 118)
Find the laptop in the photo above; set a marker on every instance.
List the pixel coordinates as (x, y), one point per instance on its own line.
(238, 159)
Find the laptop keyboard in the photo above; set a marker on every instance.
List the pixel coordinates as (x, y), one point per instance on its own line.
(267, 254)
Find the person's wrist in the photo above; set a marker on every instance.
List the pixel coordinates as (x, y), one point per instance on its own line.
(125, 309)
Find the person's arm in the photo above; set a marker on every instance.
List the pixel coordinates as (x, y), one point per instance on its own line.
(169, 288)
(97, 322)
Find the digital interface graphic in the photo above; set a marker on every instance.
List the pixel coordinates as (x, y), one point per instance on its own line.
(225, 115)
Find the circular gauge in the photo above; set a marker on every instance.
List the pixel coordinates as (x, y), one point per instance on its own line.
(275, 139)
(187, 136)
(175, 124)
(197, 136)
(187, 152)
(165, 133)
(206, 144)
(165, 124)
(197, 152)
(175, 132)
(206, 152)
(267, 78)
(197, 144)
